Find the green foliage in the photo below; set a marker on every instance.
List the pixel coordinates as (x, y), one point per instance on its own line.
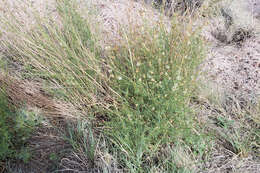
(53, 157)
(155, 77)
(81, 137)
(15, 128)
(151, 80)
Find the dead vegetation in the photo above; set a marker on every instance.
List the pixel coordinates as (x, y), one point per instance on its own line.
(31, 94)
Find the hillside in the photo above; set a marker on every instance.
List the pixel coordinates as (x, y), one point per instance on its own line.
(129, 86)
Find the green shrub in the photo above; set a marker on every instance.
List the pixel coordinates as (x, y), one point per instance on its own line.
(155, 75)
(15, 128)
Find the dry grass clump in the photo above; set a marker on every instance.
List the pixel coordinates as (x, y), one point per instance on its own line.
(66, 47)
(31, 94)
(67, 54)
(235, 127)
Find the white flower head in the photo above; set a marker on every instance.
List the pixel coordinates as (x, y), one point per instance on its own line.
(174, 87)
(107, 48)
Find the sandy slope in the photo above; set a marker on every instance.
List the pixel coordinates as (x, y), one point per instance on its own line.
(236, 68)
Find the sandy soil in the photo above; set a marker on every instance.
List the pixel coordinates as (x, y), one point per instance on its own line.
(235, 67)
